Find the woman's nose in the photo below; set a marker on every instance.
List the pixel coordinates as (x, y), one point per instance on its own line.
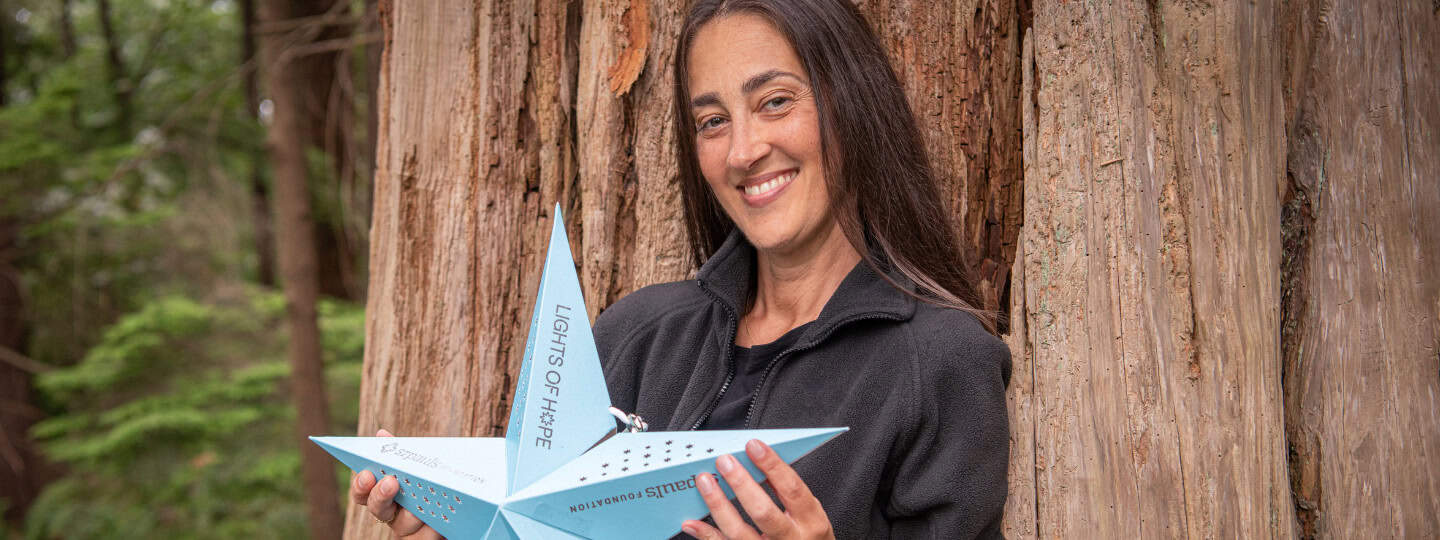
(747, 146)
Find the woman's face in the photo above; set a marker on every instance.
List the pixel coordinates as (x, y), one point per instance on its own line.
(757, 133)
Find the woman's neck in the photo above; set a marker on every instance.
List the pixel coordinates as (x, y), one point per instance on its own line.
(792, 287)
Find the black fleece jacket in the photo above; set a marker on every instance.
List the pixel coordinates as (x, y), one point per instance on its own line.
(921, 387)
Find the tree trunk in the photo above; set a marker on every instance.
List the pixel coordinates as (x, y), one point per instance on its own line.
(1362, 258)
(4, 65)
(120, 85)
(297, 261)
(327, 125)
(259, 191)
(1151, 269)
(67, 31)
(22, 473)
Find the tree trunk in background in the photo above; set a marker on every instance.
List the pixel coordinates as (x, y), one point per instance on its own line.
(120, 85)
(259, 191)
(1143, 230)
(67, 30)
(328, 110)
(22, 473)
(4, 63)
(297, 261)
(1362, 261)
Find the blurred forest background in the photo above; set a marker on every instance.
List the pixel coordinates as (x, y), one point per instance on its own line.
(144, 380)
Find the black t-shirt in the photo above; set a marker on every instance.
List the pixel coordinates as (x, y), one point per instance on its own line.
(749, 365)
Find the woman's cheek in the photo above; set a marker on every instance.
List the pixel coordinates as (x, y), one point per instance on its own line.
(711, 154)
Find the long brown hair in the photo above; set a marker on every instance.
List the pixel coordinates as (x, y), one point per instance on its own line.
(882, 190)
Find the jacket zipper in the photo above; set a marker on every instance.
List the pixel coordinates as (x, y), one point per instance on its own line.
(765, 375)
(729, 360)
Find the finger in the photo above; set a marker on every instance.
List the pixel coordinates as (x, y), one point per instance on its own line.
(381, 501)
(384, 433)
(725, 514)
(701, 530)
(407, 524)
(382, 505)
(360, 487)
(771, 520)
(789, 487)
(425, 533)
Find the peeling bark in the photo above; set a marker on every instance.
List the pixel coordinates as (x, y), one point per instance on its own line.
(1151, 265)
(1362, 310)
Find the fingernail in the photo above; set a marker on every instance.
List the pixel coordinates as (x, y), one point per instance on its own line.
(726, 464)
(705, 482)
(756, 449)
(387, 490)
(690, 530)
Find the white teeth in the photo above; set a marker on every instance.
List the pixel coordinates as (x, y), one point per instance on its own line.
(769, 185)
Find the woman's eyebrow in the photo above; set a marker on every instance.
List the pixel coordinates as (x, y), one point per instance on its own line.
(754, 83)
(751, 85)
(708, 98)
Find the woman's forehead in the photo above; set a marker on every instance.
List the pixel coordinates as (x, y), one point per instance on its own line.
(735, 49)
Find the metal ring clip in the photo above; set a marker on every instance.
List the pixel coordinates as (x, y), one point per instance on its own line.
(633, 422)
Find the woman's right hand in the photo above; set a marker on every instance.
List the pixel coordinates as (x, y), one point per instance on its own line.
(380, 501)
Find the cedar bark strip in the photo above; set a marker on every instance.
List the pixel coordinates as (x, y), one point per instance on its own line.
(298, 273)
(1363, 295)
(1151, 273)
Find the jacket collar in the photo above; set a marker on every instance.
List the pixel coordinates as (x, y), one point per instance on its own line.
(729, 275)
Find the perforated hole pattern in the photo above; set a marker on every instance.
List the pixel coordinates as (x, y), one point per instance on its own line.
(426, 500)
(646, 456)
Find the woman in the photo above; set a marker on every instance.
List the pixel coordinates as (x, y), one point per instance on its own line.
(831, 294)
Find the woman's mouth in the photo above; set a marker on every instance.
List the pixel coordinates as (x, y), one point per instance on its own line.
(759, 194)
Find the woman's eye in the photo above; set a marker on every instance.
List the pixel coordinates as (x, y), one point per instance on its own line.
(777, 102)
(710, 123)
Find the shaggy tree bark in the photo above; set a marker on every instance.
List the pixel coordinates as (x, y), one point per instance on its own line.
(1362, 259)
(298, 267)
(1154, 154)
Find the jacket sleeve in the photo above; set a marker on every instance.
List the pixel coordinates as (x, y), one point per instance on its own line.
(950, 482)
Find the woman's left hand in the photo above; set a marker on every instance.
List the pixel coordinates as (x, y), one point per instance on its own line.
(802, 517)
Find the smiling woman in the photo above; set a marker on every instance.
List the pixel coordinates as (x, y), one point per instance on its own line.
(832, 290)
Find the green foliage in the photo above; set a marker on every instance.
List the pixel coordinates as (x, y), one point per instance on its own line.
(110, 207)
(179, 425)
(169, 412)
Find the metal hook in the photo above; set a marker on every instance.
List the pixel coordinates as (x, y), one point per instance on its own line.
(633, 422)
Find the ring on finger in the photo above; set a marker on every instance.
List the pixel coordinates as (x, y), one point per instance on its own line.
(385, 521)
